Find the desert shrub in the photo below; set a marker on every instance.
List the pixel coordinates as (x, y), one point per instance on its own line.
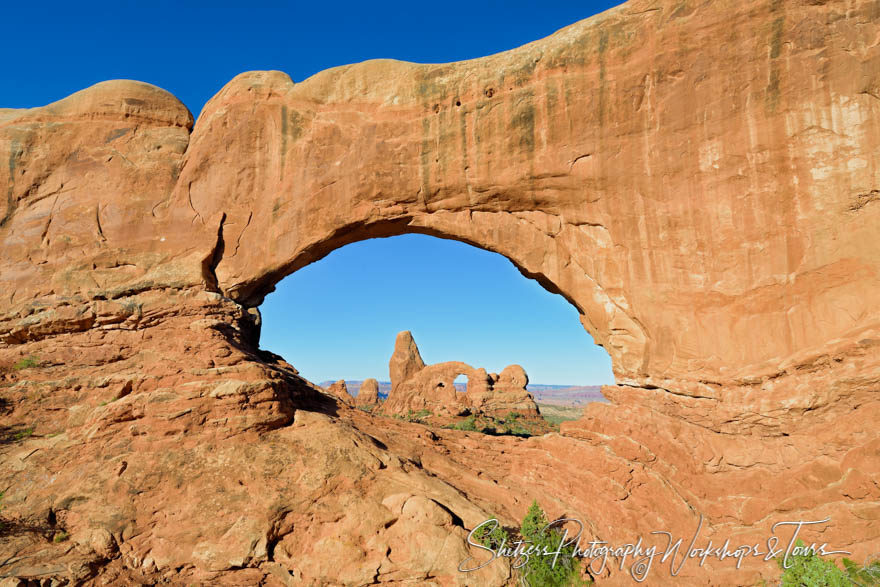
(469, 424)
(27, 363)
(491, 426)
(862, 575)
(22, 434)
(538, 570)
(516, 429)
(542, 571)
(418, 416)
(412, 416)
(494, 538)
(812, 570)
(554, 419)
(60, 537)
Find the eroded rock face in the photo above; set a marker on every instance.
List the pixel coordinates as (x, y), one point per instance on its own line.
(405, 360)
(368, 394)
(700, 180)
(432, 387)
(340, 391)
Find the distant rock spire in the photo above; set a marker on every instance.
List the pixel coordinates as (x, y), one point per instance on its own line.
(406, 360)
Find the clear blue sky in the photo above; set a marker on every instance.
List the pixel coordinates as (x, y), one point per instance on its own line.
(338, 317)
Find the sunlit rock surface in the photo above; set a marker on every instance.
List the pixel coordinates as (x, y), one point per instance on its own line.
(699, 179)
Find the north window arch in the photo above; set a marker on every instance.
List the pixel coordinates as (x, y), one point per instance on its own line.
(337, 317)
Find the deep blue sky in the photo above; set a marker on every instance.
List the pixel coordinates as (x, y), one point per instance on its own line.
(336, 318)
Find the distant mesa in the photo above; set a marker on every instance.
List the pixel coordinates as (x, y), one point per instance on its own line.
(417, 387)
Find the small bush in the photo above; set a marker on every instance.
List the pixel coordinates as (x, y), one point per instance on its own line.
(494, 538)
(539, 570)
(27, 363)
(469, 424)
(60, 537)
(22, 434)
(412, 416)
(514, 428)
(491, 426)
(554, 419)
(810, 569)
(866, 575)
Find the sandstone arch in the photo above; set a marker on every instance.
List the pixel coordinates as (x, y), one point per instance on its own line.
(699, 179)
(416, 386)
(277, 174)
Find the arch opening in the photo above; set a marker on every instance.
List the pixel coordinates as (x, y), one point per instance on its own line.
(541, 246)
(337, 317)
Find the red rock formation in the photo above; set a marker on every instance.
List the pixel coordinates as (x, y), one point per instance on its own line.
(432, 387)
(699, 179)
(405, 360)
(368, 394)
(340, 391)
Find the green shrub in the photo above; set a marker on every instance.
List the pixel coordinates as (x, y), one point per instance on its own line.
(867, 575)
(60, 537)
(516, 429)
(494, 538)
(811, 570)
(492, 426)
(554, 420)
(22, 434)
(27, 363)
(412, 416)
(540, 571)
(469, 424)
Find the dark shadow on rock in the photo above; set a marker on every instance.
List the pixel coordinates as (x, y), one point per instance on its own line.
(13, 527)
(15, 434)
